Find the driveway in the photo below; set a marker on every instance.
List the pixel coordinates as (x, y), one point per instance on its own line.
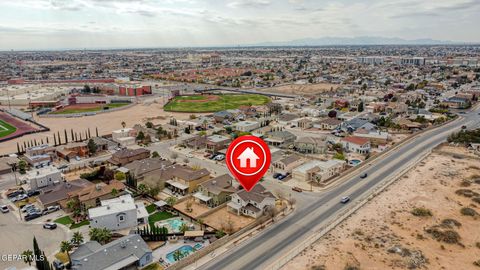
(15, 237)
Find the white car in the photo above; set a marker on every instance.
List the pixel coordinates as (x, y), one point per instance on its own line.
(4, 209)
(189, 156)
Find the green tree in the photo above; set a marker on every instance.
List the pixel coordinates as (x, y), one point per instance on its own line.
(178, 255)
(124, 124)
(28, 257)
(92, 147)
(102, 235)
(114, 192)
(22, 166)
(360, 106)
(140, 136)
(171, 201)
(66, 247)
(120, 176)
(77, 238)
(149, 124)
(155, 154)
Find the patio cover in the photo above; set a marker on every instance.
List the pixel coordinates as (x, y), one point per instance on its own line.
(202, 197)
(160, 203)
(193, 233)
(177, 184)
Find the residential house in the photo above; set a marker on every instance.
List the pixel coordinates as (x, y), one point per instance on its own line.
(396, 108)
(216, 143)
(327, 124)
(246, 126)
(40, 156)
(356, 144)
(280, 138)
(253, 203)
(215, 191)
(318, 171)
(287, 164)
(311, 145)
(58, 194)
(223, 116)
(125, 136)
(125, 156)
(128, 252)
(42, 177)
(138, 168)
(72, 150)
(92, 195)
(185, 180)
(118, 213)
(375, 136)
(303, 123)
(286, 119)
(38, 161)
(6, 164)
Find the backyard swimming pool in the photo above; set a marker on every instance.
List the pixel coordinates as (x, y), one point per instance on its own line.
(185, 251)
(355, 162)
(173, 225)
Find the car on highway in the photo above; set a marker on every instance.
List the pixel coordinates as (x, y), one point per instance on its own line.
(50, 226)
(297, 189)
(4, 209)
(345, 199)
(363, 175)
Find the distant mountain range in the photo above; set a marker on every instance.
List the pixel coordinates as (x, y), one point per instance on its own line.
(365, 40)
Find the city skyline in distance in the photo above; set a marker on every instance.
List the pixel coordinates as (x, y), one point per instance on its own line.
(95, 24)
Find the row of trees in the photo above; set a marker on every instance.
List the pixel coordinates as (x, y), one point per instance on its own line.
(153, 233)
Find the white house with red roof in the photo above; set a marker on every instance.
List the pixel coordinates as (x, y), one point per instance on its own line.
(356, 144)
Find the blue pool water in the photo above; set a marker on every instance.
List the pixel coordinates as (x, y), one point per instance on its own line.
(173, 225)
(355, 162)
(186, 250)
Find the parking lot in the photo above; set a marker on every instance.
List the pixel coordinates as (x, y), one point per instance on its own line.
(18, 236)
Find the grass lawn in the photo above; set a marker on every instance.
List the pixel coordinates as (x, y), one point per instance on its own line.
(157, 216)
(151, 208)
(224, 102)
(6, 129)
(66, 220)
(96, 109)
(79, 224)
(153, 266)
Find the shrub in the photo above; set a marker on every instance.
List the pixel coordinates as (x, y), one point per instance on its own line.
(476, 199)
(476, 263)
(467, 211)
(421, 212)
(466, 193)
(442, 235)
(477, 244)
(449, 223)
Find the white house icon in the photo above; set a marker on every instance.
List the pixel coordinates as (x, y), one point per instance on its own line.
(250, 155)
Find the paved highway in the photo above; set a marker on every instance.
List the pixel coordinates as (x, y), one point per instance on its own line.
(261, 251)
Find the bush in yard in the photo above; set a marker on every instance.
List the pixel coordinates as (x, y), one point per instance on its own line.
(421, 212)
(467, 211)
(444, 235)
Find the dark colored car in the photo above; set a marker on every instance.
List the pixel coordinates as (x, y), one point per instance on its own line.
(50, 226)
(364, 175)
(32, 216)
(32, 193)
(58, 265)
(276, 175)
(297, 189)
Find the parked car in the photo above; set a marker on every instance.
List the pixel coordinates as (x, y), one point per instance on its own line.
(50, 226)
(220, 157)
(32, 216)
(4, 209)
(33, 211)
(364, 175)
(20, 197)
(58, 265)
(345, 199)
(189, 155)
(64, 166)
(26, 207)
(15, 194)
(297, 189)
(50, 209)
(281, 176)
(32, 193)
(276, 175)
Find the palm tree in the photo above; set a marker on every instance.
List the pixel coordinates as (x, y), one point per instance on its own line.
(28, 257)
(66, 247)
(77, 238)
(102, 236)
(124, 124)
(184, 228)
(171, 201)
(178, 255)
(200, 222)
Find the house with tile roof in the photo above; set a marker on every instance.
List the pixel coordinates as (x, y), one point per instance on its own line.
(215, 191)
(356, 144)
(252, 203)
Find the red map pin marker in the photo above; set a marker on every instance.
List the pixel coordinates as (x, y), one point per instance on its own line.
(248, 158)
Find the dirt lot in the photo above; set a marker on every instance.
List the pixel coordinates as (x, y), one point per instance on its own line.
(223, 219)
(416, 223)
(105, 123)
(196, 209)
(300, 89)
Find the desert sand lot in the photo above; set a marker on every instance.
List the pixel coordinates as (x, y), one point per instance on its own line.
(300, 89)
(106, 123)
(385, 234)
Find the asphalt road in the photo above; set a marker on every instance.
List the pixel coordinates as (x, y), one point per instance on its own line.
(262, 250)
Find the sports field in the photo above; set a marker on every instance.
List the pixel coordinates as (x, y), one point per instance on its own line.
(84, 108)
(213, 103)
(6, 129)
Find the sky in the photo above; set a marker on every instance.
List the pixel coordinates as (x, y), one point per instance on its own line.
(70, 24)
